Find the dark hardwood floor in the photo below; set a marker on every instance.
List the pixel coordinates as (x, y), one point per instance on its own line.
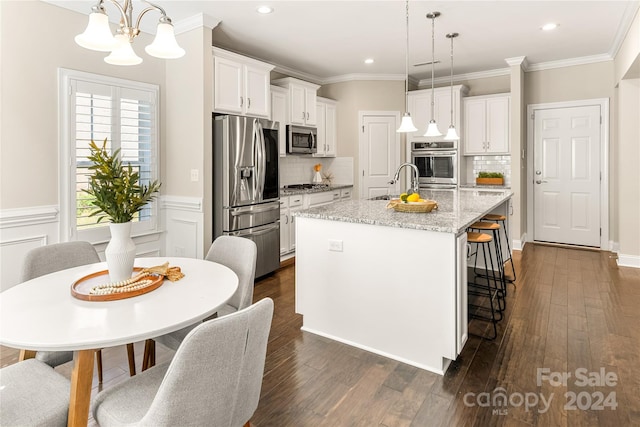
(571, 310)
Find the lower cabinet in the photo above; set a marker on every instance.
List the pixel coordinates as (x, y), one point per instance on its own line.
(462, 322)
(288, 205)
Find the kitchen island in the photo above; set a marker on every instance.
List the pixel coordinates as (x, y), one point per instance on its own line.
(389, 282)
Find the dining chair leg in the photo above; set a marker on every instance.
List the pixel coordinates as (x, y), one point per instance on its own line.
(149, 356)
(99, 360)
(247, 424)
(27, 354)
(132, 359)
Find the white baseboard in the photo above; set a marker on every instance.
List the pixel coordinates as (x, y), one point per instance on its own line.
(518, 245)
(628, 261)
(614, 246)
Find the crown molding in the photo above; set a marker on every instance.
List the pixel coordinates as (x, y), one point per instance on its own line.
(518, 60)
(297, 74)
(570, 62)
(363, 77)
(464, 77)
(196, 21)
(624, 27)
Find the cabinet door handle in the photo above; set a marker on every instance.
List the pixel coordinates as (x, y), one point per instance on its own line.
(303, 115)
(248, 102)
(287, 219)
(307, 115)
(241, 101)
(488, 145)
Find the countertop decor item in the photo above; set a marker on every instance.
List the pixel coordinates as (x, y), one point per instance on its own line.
(117, 195)
(490, 178)
(317, 177)
(421, 206)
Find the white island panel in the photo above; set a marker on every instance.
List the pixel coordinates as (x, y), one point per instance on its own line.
(390, 290)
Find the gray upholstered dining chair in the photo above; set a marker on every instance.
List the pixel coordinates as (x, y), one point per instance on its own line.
(214, 378)
(33, 394)
(237, 253)
(55, 257)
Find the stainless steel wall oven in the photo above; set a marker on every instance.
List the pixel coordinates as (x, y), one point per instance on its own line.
(437, 163)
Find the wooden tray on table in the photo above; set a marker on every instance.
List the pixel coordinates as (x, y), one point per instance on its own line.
(80, 288)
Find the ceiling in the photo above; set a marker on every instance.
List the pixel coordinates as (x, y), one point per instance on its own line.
(328, 41)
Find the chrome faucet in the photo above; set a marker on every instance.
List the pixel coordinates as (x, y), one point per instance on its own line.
(414, 176)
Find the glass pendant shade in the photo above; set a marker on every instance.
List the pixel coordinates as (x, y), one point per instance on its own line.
(97, 35)
(123, 54)
(452, 135)
(165, 45)
(433, 130)
(407, 124)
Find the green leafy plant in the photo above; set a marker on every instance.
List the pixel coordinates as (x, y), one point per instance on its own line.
(490, 175)
(114, 187)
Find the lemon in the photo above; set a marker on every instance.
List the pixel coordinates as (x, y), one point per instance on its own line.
(413, 197)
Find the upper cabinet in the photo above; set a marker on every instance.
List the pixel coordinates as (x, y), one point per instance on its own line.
(327, 127)
(420, 109)
(241, 85)
(302, 100)
(279, 113)
(486, 124)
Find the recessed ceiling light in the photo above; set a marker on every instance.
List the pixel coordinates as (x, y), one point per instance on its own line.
(550, 26)
(265, 9)
(368, 61)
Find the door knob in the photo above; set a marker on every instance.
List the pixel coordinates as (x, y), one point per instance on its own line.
(538, 172)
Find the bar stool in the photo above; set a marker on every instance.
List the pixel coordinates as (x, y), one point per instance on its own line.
(483, 240)
(494, 228)
(503, 219)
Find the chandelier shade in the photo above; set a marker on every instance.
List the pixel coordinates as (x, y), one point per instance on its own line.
(123, 54)
(407, 124)
(98, 35)
(165, 45)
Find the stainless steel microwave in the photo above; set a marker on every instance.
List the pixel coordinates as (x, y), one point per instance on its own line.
(302, 140)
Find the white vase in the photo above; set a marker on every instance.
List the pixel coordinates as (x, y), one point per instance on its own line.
(317, 178)
(120, 252)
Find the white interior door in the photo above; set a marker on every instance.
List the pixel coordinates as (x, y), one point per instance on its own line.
(567, 175)
(379, 154)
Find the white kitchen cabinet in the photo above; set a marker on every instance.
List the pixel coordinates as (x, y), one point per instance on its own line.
(288, 205)
(420, 109)
(302, 100)
(241, 85)
(462, 321)
(327, 127)
(487, 124)
(279, 114)
(345, 193)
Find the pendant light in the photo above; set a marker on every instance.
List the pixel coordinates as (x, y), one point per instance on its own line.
(452, 135)
(407, 124)
(432, 129)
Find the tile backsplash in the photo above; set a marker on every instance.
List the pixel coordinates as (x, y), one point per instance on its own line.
(299, 169)
(493, 164)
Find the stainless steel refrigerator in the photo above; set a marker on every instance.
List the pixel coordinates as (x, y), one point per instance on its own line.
(245, 185)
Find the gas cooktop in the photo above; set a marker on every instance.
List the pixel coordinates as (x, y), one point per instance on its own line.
(305, 186)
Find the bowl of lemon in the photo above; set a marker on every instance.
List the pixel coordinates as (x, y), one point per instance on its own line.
(412, 203)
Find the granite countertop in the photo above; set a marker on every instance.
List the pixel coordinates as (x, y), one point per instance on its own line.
(457, 209)
(317, 189)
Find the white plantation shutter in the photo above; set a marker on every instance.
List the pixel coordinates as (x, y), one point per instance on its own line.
(126, 114)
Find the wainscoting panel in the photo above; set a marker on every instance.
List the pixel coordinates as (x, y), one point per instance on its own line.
(184, 225)
(20, 231)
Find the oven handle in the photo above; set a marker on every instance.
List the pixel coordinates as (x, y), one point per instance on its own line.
(429, 153)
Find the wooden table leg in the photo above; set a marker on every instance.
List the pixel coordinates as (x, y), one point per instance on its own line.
(131, 355)
(80, 398)
(27, 354)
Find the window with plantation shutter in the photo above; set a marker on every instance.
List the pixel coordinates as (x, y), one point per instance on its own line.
(125, 113)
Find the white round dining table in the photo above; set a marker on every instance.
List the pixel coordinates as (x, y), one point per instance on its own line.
(42, 314)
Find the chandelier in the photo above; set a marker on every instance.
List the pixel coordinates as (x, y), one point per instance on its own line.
(432, 129)
(407, 124)
(98, 36)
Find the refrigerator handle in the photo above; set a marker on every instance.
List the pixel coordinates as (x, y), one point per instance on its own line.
(262, 163)
(256, 161)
